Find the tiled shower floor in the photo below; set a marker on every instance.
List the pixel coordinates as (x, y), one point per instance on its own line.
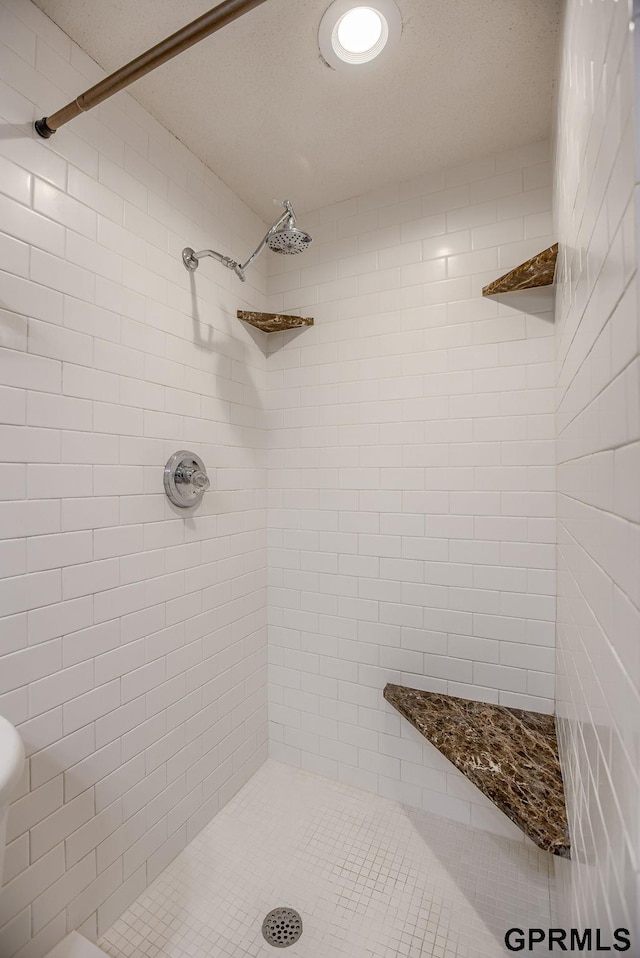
(370, 877)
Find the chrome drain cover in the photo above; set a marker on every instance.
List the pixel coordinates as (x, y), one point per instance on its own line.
(282, 927)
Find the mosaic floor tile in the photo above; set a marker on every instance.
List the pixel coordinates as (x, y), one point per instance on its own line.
(371, 879)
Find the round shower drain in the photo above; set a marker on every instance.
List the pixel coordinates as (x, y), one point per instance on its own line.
(282, 927)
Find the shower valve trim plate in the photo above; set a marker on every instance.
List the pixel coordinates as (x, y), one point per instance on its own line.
(185, 479)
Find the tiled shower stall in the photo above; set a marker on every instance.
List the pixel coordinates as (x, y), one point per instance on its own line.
(383, 504)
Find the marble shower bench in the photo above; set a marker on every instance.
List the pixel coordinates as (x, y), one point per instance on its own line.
(509, 754)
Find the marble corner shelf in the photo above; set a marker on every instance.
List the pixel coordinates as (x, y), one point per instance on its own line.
(537, 271)
(273, 322)
(509, 754)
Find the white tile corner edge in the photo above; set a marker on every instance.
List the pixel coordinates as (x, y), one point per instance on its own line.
(76, 946)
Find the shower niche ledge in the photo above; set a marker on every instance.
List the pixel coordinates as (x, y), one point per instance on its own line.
(273, 322)
(537, 272)
(511, 755)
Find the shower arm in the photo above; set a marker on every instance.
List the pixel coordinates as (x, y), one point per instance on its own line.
(288, 214)
(181, 40)
(191, 258)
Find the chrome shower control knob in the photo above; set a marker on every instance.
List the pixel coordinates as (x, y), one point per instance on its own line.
(201, 480)
(185, 479)
(196, 476)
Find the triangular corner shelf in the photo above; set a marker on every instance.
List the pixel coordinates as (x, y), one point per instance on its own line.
(273, 322)
(537, 271)
(511, 755)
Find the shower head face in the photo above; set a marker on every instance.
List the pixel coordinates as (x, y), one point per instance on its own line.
(289, 240)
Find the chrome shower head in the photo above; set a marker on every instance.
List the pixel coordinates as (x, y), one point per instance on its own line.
(289, 239)
(283, 237)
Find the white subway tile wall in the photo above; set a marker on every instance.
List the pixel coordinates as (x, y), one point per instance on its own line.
(598, 463)
(132, 638)
(409, 440)
(412, 476)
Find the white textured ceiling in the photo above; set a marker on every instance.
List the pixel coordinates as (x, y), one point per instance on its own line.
(258, 105)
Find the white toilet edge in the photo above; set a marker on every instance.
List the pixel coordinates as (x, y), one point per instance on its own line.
(11, 760)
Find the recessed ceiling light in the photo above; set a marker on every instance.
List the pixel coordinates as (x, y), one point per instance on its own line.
(351, 35)
(360, 31)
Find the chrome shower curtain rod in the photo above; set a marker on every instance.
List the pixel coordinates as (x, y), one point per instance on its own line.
(192, 33)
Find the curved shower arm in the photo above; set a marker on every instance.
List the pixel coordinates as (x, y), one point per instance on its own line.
(190, 259)
(288, 214)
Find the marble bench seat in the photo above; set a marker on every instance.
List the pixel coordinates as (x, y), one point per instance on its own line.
(509, 754)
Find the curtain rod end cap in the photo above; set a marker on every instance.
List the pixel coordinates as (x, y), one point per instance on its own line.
(43, 129)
